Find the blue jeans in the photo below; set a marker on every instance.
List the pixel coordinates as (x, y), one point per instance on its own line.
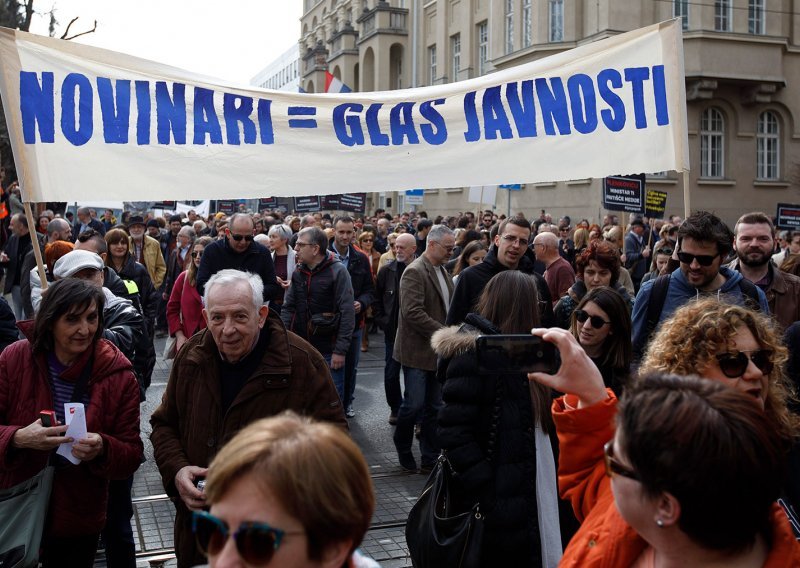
(391, 379)
(338, 377)
(351, 367)
(423, 397)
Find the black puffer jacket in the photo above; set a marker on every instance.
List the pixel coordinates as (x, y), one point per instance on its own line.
(506, 485)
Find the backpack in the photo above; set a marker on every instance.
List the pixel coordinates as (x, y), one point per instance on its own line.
(658, 295)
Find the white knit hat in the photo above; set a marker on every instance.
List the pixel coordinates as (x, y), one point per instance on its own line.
(76, 261)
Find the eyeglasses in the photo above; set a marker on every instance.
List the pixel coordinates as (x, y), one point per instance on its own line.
(665, 251)
(597, 321)
(238, 238)
(702, 259)
(613, 467)
(510, 239)
(448, 249)
(197, 254)
(255, 542)
(734, 366)
(366, 240)
(299, 244)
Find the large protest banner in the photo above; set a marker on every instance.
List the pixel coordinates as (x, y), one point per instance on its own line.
(101, 124)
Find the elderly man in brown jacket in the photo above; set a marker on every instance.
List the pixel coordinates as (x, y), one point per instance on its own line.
(425, 292)
(245, 366)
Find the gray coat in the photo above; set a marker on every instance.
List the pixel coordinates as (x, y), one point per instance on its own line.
(422, 312)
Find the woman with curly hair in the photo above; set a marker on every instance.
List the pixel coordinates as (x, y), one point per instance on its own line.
(598, 265)
(739, 348)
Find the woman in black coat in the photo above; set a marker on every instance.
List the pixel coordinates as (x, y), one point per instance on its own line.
(509, 468)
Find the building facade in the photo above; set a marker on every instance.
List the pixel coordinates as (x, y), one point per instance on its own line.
(742, 65)
(283, 74)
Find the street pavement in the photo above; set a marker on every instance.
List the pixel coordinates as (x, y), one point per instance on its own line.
(395, 490)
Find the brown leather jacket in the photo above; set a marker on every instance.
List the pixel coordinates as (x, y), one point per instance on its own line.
(783, 295)
(189, 429)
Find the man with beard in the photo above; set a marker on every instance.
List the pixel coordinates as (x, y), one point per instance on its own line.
(754, 245)
(704, 242)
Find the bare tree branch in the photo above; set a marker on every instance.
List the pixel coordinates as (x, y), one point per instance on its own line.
(94, 29)
(26, 24)
(69, 25)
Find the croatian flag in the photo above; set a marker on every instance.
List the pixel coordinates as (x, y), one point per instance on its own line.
(334, 85)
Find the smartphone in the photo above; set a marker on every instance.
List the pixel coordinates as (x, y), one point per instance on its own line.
(515, 354)
(48, 418)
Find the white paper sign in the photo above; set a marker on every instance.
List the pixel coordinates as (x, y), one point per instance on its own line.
(75, 419)
(94, 123)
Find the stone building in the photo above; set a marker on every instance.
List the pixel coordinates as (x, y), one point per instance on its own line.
(742, 65)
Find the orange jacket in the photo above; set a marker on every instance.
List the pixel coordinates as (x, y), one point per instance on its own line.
(604, 539)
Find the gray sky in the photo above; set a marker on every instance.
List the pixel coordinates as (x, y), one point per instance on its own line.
(230, 39)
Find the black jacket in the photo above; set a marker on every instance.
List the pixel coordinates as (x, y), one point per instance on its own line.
(8, 325)
(387, 302)
(473, 280)
(361, 279)
(256, 259)
(16, 249)
(505, 484)
(93, 224)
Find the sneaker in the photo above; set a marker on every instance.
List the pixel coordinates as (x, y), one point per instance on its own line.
(407, 461)
(393, 419)
(350, 413)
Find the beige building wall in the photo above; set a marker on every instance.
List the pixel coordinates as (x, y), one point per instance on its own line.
(737, 68)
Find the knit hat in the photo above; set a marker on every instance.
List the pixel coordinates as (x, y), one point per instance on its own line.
(75, 261)
(54, 251)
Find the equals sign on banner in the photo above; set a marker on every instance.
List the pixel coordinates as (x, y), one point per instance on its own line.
(302, 122)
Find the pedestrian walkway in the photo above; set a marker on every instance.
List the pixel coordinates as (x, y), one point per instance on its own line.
(395, 490)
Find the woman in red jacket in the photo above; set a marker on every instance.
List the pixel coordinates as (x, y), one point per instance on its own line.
(688, 474)
(41, 373)
(185, 306)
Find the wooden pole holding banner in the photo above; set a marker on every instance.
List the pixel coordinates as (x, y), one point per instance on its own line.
(37, 252)
(687, 209)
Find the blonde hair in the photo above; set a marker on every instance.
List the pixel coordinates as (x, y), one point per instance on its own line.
(314, 470)
(688, 341)
(580, 238)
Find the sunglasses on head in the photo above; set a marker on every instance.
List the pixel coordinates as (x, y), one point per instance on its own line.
(734, 365)
(597, 321)
(702, 259)
(238, 238)
(256, 543)
(665, 251)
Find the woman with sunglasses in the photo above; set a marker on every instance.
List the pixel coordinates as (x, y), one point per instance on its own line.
(288, 492)
(598, 265)
(687, 474)
(602, 325)
(185, 306)
(738, 348)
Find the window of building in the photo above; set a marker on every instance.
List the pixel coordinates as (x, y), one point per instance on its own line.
(768, 141)
(509, 26)
(722, 15)
(556, 20)
(483, 47)
(712, 143)
(455, 50)
(680, 9)
(755, 17)
(527, 23)
(432, 65)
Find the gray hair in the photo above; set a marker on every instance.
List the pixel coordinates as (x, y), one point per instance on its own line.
(232, 276)
(83, 210)
(438, 232)
(282, 231)
(188, 231)
(316, 236)
(201, 223)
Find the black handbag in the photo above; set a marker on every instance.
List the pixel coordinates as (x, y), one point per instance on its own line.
(437, 538)
(324, 325)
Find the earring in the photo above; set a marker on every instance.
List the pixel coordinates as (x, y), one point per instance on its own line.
(660, 523)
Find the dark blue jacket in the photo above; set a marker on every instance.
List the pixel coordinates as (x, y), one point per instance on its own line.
(361, 279)
(256, 259)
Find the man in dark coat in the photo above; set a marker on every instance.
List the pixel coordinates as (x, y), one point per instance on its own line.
(12, 259)
(86, 221)
(509, 252)
(224, 378)
(238, 250)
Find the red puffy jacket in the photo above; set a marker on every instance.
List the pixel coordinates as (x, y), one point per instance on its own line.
(78, 501)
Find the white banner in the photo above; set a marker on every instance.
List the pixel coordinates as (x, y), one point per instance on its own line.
(88, 123)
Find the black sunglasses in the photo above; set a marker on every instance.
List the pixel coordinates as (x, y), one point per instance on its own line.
(734, 366)
(196, 253)
(255, 542)
(702, 259)
(597, 321)
(238, 238)
(664, 251)
(613, 467)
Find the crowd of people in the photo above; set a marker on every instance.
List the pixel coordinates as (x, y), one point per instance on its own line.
(617, 454)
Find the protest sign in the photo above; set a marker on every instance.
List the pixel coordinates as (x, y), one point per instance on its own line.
(624, 193)
(306, 204)
(655, 203)
(788, 216)
(353, 202)
(267, 203)
(227, 206)
(116, 126)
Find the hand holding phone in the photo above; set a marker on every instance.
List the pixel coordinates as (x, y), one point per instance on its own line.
(48, 418)
(523, 353)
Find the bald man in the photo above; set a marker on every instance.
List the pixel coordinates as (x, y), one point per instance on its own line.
(559, 275)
